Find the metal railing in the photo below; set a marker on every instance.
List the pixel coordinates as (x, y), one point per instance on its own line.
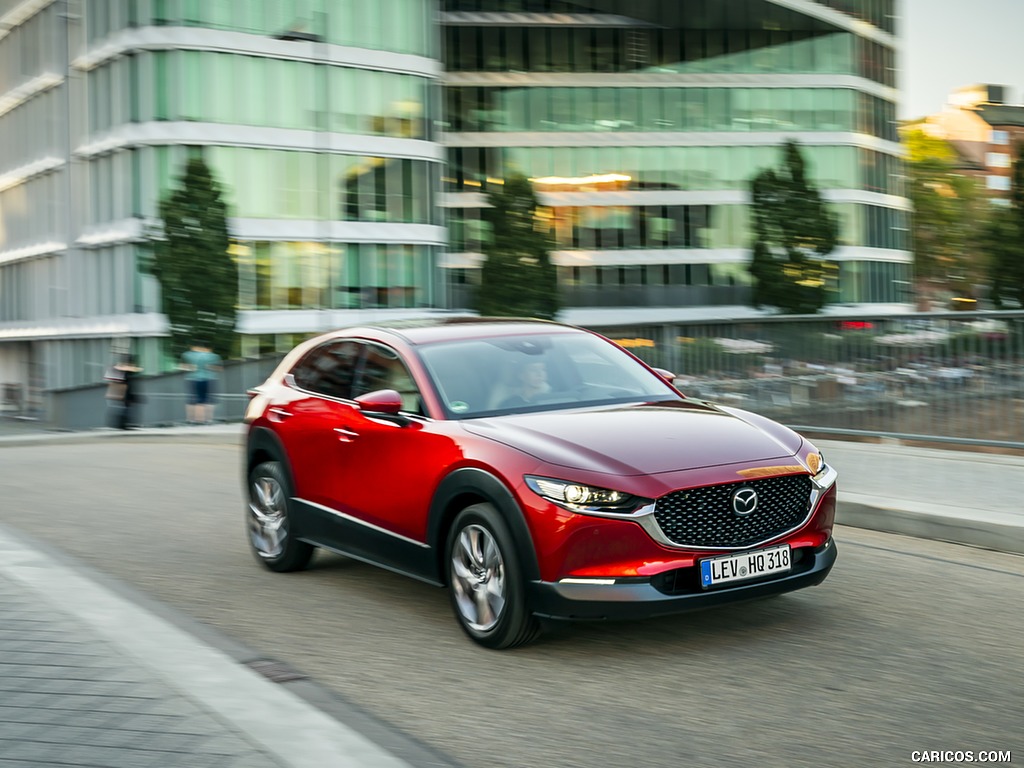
(163, 398)
(955, 377)
(950, 377)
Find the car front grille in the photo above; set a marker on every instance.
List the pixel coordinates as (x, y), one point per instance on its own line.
(704, 517)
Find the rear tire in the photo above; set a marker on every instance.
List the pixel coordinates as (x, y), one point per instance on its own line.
(485, 580)
(268, 520)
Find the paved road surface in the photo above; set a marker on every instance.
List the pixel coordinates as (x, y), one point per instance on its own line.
(910, 645)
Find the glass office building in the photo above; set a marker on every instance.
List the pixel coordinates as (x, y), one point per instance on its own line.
(642, 124)
(356, 142)
(317, 118)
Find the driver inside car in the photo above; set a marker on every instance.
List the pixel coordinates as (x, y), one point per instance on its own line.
(531, 381)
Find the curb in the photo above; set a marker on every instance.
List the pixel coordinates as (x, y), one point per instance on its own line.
(987, 531)
(233, 436)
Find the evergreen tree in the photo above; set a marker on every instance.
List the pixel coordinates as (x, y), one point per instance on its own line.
(198, 278)
(1004, 242)
(517, 278)
(793, 232)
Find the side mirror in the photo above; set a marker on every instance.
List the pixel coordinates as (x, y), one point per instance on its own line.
(666, 375)
(382, 401)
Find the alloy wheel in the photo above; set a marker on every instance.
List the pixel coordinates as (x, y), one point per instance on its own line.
(478, 578)
(268, 518)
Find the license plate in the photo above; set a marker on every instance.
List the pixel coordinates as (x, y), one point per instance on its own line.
(749, 565)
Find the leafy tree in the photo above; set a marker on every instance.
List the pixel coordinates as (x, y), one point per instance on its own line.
(1004, 241)
(793, 233)
(949, 212)
(518, 278)
(198, 278)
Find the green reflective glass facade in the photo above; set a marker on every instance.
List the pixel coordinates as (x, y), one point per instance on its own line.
(554, 49)
(401, 26)
(643, 124)
(232, 88)
(621, 227)
(300, 140)
(708, 168)
(480, 109)
(706, 36)
(276, 275)
(686, 284)
(701, 14)
(347, 133)
(268, 184)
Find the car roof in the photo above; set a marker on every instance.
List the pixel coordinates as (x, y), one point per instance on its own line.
(430, 331)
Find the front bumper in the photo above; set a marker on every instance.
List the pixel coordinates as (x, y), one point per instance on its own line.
(641, 599)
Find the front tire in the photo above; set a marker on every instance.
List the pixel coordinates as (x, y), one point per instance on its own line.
(268, 521)
(485, 580)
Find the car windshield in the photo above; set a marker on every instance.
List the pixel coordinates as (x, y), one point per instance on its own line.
(520, 374)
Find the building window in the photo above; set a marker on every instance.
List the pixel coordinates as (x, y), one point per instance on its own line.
(997, 160)
(1000, 137)
(999, 183)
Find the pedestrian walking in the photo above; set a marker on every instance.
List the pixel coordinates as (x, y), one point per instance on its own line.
(202, 365)
(122, 393)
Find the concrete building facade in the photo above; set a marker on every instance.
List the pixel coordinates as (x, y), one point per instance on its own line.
(356, 142)
(316, 117)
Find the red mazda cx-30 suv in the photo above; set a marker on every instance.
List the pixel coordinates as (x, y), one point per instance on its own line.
(535, 469)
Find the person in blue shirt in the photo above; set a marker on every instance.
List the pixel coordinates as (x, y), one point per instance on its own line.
(202, 365)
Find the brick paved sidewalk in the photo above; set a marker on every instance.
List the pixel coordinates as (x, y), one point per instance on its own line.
(88, 678)
(68, 697)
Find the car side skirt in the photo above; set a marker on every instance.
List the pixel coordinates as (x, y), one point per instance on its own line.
(334, 530)
(640, 600)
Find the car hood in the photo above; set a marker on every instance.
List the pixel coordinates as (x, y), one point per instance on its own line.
(642, 439)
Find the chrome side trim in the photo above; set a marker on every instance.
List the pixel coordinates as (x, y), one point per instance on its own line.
(636, 515)
(357, 521)
(823, 481)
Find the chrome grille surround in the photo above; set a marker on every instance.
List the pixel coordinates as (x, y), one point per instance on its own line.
(703, 517)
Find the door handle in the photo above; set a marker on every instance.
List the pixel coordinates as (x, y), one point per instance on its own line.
(345, 435)
(278, 414)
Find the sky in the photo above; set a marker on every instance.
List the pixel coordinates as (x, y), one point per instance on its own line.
(950, 43)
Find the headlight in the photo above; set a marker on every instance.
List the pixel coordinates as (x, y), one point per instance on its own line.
(582, 498)
(819, 470)
(815, 463)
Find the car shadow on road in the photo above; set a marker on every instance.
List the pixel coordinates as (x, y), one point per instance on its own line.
(697, 631)
(721, 627)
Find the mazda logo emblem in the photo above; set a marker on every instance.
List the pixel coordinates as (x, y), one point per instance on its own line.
(744, 501)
